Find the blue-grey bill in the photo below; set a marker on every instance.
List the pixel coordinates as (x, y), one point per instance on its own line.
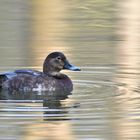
(71, 67)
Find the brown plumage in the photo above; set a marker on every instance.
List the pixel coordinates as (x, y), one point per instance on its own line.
(50, 80)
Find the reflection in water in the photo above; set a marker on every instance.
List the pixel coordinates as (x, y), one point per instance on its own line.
(84, 31)
(14, 37)
(128, 49)
(43, 118)
(48, 27)
(129, 61)
(56, 130)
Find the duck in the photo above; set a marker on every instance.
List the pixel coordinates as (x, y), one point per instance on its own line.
(50, 79)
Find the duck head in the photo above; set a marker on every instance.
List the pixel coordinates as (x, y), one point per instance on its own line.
(57, 61)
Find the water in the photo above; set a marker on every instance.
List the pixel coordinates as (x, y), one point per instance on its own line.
(95, 35)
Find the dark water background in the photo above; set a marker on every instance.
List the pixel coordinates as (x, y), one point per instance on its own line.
(99, 36)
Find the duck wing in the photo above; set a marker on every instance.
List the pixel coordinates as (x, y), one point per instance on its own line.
(9, 75)
(28, 71)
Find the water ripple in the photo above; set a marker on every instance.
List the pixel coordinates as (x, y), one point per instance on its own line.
(100, 97)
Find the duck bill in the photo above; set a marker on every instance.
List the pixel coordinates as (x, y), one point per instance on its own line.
(69, 66)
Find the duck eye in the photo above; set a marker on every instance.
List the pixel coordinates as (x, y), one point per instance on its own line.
(58, 58)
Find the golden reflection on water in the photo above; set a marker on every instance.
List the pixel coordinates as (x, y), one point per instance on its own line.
(49, 130)
(128, 50)
(48, 27)
(129, 57)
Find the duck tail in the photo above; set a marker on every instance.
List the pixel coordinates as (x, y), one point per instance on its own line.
(3, 78)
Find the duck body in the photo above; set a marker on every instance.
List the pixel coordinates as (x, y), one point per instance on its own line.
(49, 80)
(29, 80)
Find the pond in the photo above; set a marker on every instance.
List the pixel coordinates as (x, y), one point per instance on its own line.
(102, 38)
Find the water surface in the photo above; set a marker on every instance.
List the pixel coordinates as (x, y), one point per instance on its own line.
(95, 35)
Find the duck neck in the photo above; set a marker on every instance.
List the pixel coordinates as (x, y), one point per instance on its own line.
(54, 73)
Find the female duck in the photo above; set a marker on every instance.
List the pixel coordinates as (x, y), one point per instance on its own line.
(50, 79)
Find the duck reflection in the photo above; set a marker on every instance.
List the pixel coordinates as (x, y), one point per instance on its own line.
(55, 110)
(54, 118)
(51, 102)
